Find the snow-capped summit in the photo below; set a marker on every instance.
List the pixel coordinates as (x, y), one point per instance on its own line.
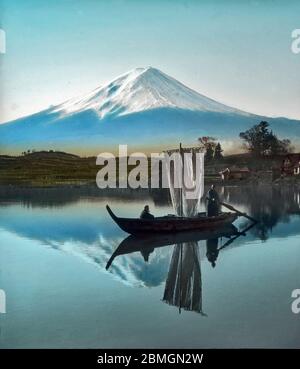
(145, 109)
(142, 89)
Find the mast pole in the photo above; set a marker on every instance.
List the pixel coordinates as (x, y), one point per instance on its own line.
(182, 179)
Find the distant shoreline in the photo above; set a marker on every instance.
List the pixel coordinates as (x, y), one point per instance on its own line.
(93, 185)
(48, 169)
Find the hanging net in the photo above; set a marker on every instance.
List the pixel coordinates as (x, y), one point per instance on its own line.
(185, 171)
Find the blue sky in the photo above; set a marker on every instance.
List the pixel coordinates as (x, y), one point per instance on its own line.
(237, 52)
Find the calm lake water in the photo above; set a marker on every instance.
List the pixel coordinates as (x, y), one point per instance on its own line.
(54, 246)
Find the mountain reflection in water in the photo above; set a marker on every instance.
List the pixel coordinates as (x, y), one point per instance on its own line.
(56, 243)
(75, 221)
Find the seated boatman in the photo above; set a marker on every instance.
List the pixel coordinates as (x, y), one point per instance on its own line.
(145, 214)
(213, 202)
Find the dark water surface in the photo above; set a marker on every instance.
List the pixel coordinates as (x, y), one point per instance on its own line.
(54, 246)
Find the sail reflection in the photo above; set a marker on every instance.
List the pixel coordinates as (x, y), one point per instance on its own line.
(184, 285)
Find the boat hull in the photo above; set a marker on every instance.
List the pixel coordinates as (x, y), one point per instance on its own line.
(172, 224)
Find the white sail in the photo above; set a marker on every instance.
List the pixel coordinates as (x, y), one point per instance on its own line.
(185, 170)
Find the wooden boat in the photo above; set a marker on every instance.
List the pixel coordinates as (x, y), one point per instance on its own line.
(172, 223)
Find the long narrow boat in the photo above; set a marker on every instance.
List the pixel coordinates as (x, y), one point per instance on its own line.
(170, 223)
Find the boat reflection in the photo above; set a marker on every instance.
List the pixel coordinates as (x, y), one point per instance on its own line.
(183, 287)
(147, 243)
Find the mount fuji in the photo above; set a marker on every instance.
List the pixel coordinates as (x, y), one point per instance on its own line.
(145, 109)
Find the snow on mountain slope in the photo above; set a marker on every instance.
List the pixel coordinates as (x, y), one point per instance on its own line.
(142, 89)
(145, 109)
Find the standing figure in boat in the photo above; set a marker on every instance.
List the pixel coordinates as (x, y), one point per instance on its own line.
(145, 214)
(213, 202)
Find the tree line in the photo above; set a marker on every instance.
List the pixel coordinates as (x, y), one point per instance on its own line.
(259, 141)
(213, 150)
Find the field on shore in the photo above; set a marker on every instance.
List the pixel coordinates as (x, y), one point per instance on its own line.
(45, 168)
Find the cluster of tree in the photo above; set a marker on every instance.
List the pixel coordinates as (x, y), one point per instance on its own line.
(261, 141)
(33, 151)
(27, 152)
(213, 149)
